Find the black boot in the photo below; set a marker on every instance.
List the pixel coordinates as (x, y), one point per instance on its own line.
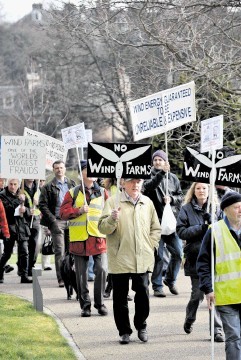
(107, 290)
(1, 276)
(26, 280)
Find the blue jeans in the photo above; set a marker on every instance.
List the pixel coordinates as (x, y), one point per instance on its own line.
(174, 246)
(231, 319)
(91, 274)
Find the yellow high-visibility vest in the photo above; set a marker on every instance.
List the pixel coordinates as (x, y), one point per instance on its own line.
(86, 224)
(36, 211)
(227, 277)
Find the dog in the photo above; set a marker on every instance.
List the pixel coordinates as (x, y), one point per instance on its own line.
(67, 270)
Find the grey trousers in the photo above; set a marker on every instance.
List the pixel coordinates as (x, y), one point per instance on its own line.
(60, 242)
(100, 271)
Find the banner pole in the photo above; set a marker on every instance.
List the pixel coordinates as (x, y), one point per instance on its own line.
(212, 185)
(81, 177)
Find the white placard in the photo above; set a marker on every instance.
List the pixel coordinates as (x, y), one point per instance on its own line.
(23, 157)
(74, 136)
(212, 134)
(150, 118)
(55, 149)
(88, 134)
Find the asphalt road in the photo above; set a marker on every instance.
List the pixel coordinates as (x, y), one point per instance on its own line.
(97, 338)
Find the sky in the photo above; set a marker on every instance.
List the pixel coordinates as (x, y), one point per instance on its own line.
(13, 10)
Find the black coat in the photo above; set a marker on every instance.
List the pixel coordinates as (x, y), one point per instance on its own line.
(155, 189)
(48, 201)
(18, 226)
(191, 227)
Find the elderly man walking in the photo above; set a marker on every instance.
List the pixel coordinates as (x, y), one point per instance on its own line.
(133, 231)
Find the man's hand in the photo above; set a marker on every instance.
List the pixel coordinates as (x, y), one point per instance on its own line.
(84, 209)
(22, 209)
(167, 199)
(210, 300)
(115, 214)
(166, 167)
(22, 197)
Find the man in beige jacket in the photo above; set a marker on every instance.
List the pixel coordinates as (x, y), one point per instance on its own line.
(133, 232)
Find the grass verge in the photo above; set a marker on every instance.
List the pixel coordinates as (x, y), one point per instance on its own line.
(28, 334)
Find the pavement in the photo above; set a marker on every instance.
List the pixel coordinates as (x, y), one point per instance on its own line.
(96, 338)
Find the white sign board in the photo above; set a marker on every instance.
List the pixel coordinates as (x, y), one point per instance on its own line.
(74, 136)
(88, 134)
(149, 116)
(55, 149)
(212, 134)
(23, 157)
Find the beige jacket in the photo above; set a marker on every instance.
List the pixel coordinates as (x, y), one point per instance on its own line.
(131, 239)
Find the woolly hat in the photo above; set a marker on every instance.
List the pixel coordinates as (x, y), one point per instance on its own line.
(83, 164)
(230, 198)
(161, 154)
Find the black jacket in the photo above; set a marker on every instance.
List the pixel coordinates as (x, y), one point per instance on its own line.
(192, 228)
(18, 225)
(155, 189)
(48, 201)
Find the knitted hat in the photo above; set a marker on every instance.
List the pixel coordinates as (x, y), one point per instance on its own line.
(230, 198)
(83, 164)
(161, 154)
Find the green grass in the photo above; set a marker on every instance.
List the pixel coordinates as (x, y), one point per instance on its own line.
(28, 334)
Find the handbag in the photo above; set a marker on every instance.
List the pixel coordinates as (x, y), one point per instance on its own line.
(169, 222)
(47, 247)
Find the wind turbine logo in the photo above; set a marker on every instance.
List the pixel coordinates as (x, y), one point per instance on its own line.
(221, 163)
(127, 156)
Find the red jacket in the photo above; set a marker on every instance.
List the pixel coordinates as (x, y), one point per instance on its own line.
(3, 222)
(91, 246)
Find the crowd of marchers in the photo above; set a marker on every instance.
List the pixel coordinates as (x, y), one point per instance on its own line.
(118, 230)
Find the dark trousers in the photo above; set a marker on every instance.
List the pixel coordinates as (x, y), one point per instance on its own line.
(197, 296)
(140, 284)
(33, 245)
(81, 268)
(22, 254)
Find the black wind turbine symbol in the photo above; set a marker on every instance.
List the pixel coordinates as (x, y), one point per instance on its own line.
(221, 163)
(111, 156)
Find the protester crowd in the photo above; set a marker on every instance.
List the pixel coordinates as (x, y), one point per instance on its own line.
(120, 229)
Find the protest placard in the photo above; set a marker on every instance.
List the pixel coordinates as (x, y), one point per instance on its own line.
(116, 160)
(23, 157)
(163, 111)
(212, 133)
(55, 149)
(197, 167)
(74, 136)
(88, 134)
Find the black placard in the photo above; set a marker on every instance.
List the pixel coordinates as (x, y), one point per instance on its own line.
(197, 167)
(119, 160)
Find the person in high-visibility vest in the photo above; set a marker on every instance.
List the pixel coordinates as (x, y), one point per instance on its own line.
(31, 193)
(226, 294)
(86, 239)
